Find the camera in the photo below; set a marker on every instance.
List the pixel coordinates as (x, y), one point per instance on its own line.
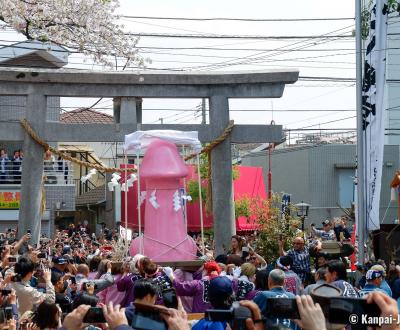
(12, 259)
(169, 298)
(282, 308)
(5, 292)
(236, 316)
(94, 315)
(5, 314)
(16, 278)
(336, 308)
(42, 255)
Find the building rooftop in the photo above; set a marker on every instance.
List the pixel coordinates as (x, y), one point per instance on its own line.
(32, 54)
(85, 116)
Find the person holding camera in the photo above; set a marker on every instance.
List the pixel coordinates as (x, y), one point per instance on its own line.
(28, 297)
(220, 296)
(60, 287)
(145, 292)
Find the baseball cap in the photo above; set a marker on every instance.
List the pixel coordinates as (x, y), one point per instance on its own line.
(326, 222)
(59, 260)
(220, 285)
(373, 274)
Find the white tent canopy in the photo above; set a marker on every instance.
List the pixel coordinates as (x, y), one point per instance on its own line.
(140, 140)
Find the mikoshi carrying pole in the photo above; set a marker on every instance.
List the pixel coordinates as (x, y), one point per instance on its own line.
(126, 202)
(201, 204)
(184, 192)
(139, 205)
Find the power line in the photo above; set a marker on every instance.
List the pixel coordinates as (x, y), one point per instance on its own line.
(227, 36)
(327, 122)
(233, 110)
(239, 49)
(240, 19)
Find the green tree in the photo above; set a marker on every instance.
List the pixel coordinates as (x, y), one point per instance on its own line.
(273, 226)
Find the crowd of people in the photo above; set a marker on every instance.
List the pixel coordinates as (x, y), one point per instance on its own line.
(11, 167)
(73, 282)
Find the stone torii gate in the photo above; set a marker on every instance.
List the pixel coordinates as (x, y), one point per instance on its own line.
(127, 90)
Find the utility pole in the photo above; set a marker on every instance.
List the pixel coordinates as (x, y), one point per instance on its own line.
(361, 214)
(203, 111)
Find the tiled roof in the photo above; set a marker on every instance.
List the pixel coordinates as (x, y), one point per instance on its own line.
(85, 116)
(93, 197)
(52, 53)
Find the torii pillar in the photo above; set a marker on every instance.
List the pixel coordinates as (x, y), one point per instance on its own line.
(221, 176)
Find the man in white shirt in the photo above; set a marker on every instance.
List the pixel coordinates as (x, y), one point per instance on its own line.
(29, 297)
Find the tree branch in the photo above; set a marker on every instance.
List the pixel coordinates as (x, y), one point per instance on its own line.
(27, 35)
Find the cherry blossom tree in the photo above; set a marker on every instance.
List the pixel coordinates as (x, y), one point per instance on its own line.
(86, 26)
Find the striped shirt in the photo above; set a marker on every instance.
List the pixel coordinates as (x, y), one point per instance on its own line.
(301, 262)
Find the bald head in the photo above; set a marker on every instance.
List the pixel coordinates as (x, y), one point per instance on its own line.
(298, 243)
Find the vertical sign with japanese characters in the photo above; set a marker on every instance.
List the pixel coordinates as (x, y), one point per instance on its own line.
(373, 109)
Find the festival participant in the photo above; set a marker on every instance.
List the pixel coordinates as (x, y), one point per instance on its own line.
(60, 287)
(341, 230)
(111, 293)
(257, 260)
(198, 289)
(260, 283)
(374, 282)
(220, 295)
(319, 278)
(327, 233)
(300, 255)
(145, 292)
(59, 265)
(159, 277)
(384, 285)
(100, 284)
(276, 280)
(292, 281)
(93, 267)
(47, 316)
(246, 280)
(337, 275)
(28, 297)
(237, 244)
(127, 281)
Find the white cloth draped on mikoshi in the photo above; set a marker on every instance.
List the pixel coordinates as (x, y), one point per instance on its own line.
(139, 140)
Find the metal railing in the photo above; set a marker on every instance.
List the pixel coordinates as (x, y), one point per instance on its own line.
(57, 172)
(83, 187)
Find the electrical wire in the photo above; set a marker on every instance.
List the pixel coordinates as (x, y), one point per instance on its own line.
(240, 19)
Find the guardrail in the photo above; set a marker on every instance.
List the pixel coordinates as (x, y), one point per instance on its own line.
(59, 172)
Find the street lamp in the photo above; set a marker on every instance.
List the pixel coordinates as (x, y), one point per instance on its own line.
(302, 212)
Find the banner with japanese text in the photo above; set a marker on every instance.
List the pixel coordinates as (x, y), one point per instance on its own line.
(9, 200)
(373, 110)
